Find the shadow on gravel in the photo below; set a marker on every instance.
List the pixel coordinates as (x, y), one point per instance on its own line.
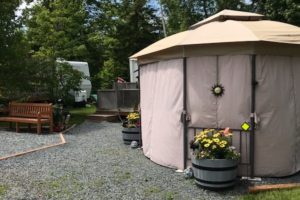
(90, 126)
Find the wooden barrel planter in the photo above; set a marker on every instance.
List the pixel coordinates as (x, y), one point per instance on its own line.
(131, 134)
(215, 174)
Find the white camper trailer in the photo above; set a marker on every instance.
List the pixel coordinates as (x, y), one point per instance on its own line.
(133, 66)
(85, 82)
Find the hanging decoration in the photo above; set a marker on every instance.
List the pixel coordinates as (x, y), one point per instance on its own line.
(218, 90)
(246, 126)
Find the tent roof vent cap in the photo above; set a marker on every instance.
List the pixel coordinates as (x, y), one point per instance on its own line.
(229, 15)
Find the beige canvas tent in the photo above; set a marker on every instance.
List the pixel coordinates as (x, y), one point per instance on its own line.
(256, 61)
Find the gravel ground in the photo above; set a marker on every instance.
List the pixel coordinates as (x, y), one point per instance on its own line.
(95, 164)
(12, 142)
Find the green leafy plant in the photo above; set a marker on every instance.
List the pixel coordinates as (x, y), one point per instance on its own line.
(214, 144)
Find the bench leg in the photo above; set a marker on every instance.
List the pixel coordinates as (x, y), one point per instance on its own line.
(17, 127)
(51, 127)
(29, 127)
(10, 125)
(39, 128)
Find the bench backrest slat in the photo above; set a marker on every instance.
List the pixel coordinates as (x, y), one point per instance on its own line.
(30, 110)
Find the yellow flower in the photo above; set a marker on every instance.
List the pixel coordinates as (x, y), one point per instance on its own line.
(216, 135)
(133, 116)
(212, 143)
(202, 135)
(216, 140)
(223, 142)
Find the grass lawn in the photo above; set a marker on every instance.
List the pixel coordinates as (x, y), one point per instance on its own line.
(78, 115)
(292, 194)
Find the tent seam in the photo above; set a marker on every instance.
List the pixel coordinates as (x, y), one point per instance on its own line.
(295, 104)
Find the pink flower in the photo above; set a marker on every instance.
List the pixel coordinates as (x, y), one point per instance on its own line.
(138, 124)
(226, 131)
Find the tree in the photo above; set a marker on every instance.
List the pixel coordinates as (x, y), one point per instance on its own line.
(181, 14)
(13, 49)
(8, 25)
(100, 29)
(64, 80)
(133, 26)
(230, 4)
(279, 10)
(56, 29)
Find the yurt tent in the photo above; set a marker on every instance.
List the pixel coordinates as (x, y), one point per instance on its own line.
(257, 64)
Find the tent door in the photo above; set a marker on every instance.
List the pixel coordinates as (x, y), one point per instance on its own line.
(230, 109)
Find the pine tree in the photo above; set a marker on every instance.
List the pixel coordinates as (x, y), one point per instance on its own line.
(135, 26)
(56, 28)
(279, 10)
(13, 50)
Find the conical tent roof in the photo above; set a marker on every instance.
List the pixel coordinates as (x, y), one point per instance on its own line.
(227, 15)
(228, 27)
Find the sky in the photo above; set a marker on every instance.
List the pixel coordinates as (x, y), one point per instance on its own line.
(154, 3)
(22, 7)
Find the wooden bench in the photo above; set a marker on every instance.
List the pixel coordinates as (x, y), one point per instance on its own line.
(30, 113)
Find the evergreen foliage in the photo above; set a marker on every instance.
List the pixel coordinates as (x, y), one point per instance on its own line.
(56, 29)
(280, 10)
(102, 32)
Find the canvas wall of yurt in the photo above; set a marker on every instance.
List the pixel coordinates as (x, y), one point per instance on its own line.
(255, 61)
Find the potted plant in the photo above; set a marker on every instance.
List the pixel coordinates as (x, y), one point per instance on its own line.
(61, 116)
(214, 160)
(132, 128)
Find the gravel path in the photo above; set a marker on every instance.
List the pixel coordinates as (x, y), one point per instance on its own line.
(12, 142)
(95, 164)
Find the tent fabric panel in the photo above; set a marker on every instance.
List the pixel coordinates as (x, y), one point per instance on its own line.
(201, 103)
(229, 14)
(275, 134)
(235, 76)
(221, 32)
(147, 86)
(237, 48)
(220, 49)
(296, 78)
(230, 110)
(167, 129)
(273, 31)
(163, 44)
